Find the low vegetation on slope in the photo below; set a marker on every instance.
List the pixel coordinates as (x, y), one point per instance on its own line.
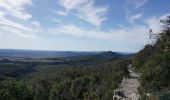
(153, 62)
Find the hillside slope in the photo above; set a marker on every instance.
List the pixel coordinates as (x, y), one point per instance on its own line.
(153, 62)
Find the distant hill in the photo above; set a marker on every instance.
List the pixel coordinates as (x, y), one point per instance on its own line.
(102, 56)
(40, 53)
(12, 66)
(54, 54)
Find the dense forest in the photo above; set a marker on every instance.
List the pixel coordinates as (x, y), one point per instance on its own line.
(88, 77)
(153, 62)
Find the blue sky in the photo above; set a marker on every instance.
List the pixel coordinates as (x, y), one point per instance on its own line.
(80, 25)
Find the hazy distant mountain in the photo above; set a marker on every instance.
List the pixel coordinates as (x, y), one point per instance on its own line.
(53, 54)
(99, 57)
(40, 53)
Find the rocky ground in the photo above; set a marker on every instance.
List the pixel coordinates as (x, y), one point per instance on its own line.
(129, 85)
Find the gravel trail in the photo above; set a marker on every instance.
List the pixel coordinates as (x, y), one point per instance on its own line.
(129, 86)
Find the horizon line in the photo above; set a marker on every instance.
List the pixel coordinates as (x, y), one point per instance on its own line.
(64, 50)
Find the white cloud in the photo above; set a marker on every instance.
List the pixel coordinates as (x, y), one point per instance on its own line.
(93, 15)
(84, 10)
(130, 8)
(62, 13)
(134, 17)
(140, 3)
(136, 3)
(16, 8)
(155, 24)
(36, 24)
(135, 34)
(17, 32)
(68, 29)
(7, 26)
(72, 4)
(7, 23)
(21, 27)
(165, 16)
(58, 21)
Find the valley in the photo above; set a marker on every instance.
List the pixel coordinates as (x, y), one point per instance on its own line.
(92, 76)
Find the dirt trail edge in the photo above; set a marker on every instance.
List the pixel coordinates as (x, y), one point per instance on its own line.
(128, 88)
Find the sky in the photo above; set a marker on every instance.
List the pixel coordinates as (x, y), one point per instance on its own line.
(80, 25)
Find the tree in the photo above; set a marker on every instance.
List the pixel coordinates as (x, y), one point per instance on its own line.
(166, 21)
(14, 90)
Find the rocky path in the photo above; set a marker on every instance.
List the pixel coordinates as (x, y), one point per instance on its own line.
(129, 86)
